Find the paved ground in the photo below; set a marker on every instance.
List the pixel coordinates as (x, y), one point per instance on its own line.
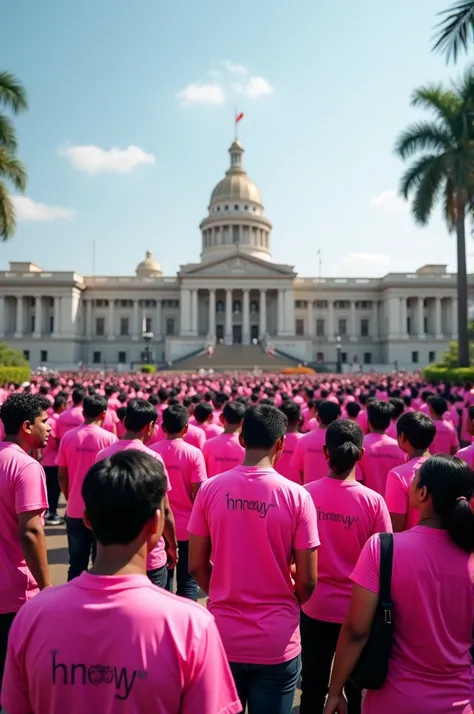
(58, 559)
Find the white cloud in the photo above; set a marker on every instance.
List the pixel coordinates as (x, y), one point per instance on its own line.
(365, 259)
(254, 87)
(235, 68)
(201, 93)
(390, 201)
(28, 210)
(94, 160)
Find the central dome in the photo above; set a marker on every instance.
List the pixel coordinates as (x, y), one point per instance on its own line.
(236, 185)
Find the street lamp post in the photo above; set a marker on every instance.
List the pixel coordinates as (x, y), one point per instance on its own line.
(147, 338)
(338, 352)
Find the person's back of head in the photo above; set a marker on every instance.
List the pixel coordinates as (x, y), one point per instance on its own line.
(44, 390)
(343, 446)
(94, 407)
(172, 401)
(398, 407)
(353, 409)
(163, 395)
(233, 413)
(122, 495)
(328, 412)
(292, 411)
(379, 415)
(417, 429)
(220, 399)
(121, 413)
(60, 404)
(264, 429)
(363, 398)
(78, 396)
(203, 412)
(438, 406)
(442, 489)
(139, 415)
(122, 397)
(109, 389)
(407, 401)
(153, 399)
(175, 419)
(324, 394)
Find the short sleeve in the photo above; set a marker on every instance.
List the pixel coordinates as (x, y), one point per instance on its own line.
(367, 571)
(306, 534)
(382, 522)
(61, 457)
(396, 493)
(15, 690)
(297, 460)
(210, 687)
(30, 488)
(199, 473)
(198, 523)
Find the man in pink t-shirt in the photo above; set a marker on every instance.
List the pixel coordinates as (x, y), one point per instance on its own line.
(23, 500)
(446, 440)
(224, 452)
(48, 461)
(187, 471)
(382, 453)
(204, 420)
(110, 641)
(467, 453)
(292, 411)
(309, 460)
(74, 416)
(416, 432)
(256, 524)
(77, 452)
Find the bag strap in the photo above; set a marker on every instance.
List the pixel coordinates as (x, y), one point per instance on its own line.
(386, 563)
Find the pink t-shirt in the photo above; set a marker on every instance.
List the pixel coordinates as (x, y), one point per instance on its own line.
(255, 519)
(348, 514)
(283, 465)
(22, 489)
(446, 439)
(430, 666)
(382, 454)
(362, 421)
(392, 430)
(157, 557)
(397, 490)
(222, 453)
(467, 455)
(110, 422)
(77, 452)
(50, 451)
(309, 458)
(69, 419)
(210, 430)
(119, 645)
(185, 466)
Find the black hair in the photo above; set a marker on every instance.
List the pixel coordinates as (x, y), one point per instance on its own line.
(94, 406)
(109, 389)
(202, 412)
(439, 405)
(379, 414)
(78, 396)
(328, 412)
(470, 413)
(121, 494)
(175, 419)
(121, 412)
(122, 397)
(262, 426)
(344, 439)
(19, 408)
(407, 400)
(163, 394)
(59, 401)
(398, 407)
(233, 412)
(450, 483)
(153, 399)
(417, 428)
(353, 409)
(140, 413)
(292, 411)
(44, 390)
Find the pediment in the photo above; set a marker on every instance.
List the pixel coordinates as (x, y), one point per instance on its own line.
(237, 266)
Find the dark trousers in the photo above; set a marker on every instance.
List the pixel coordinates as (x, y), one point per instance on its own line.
(158, 576)
(5, 624)
(82, 546)
(266, 688)
(186, 586)
(52, 486)
(319, 640)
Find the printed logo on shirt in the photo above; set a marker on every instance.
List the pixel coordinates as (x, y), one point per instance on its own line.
(242, 504)
(337, 517)
(79, 674)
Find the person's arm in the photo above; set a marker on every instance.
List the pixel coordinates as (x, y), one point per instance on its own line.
(455, 445)
(305, 573)
(297, 460)
(399, 521)
(396, 500)
(200, 566)
(169, 532)
(198, 475)
(194, 490)
(33, 544)
(63, 477)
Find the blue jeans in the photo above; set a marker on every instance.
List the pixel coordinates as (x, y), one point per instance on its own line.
(158, 576)
(267, 688)
(186, 586)
(81, 544)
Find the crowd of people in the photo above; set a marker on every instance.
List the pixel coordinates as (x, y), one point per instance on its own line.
(264, 494)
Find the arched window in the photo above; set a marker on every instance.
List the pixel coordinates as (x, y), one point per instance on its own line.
(219, 306)
(237, 306)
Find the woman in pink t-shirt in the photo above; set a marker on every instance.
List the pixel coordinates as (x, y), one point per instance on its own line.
(348, 514)
(430, 668)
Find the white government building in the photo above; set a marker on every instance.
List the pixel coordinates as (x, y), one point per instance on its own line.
(236, 294)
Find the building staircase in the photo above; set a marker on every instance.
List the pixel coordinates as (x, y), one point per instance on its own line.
(234, 357)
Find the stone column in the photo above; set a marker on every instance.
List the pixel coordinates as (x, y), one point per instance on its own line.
(88, 326)
(393, 318)
(57, 317)
(420, 318)
(280, 313)
(438, 321)
(135, 321)
(38, 317)
(185, 312)
(111, 321)
(263, 313)
(159, 327)
(246, 317)
(311, 325)
(403, 317)
(353, 326)
(331, 327)
(19, 317)
(2, 316)
(289, 312)
(374, 328)
(212, 313)
(454, 318)
(228, 316)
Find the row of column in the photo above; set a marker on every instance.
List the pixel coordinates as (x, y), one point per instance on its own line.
(137, 328)
(332, 329)
(20, 314)
(398, 314)
(244, 235)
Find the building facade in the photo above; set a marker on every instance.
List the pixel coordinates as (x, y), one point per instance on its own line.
(236, 294)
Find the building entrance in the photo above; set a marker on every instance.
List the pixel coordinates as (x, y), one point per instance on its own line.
(254, 332)
(237, 334)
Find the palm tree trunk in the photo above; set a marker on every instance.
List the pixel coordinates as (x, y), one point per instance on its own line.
(463, 339)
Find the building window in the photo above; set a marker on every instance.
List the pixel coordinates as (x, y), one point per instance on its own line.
(320, 357)
(170, 303)
(408, 325)
(319, 328)
(51, 324)
(414, 357)
(33, 323)
(364, 304)
(342, 304)
(122, 358)
(364, 328)
(236, 208)
(220, 306)
(44, 356)
(96, 357)
(148, 324)
(342, 326)
(425, 325)
(148, 303)
(26, 355)
(226, 208)
(299, 327)
(301, 304)
(344, 357)
(170, 326)
(126, 303)
(236, 306)
(101, 303)
(254, 306)
(432, 357)
(100, 326)
(124, 324)
(321, 304)
(367, 357)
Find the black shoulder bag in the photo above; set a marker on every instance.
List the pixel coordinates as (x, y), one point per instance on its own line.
(371, 669)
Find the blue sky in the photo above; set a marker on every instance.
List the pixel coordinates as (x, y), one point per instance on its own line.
(325, 89)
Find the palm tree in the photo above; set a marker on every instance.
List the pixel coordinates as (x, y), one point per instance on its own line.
(13, 97)
(443, 170)
(456, 30)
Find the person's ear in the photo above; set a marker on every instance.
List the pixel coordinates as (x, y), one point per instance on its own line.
(241, 440)
(26, 427)
(362, 452)
(221, 419)
(86, 520)
(186, 429)
(326, 452)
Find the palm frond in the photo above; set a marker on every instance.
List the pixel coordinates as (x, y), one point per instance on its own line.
(12, 93)
(12, 169)
(7, 134)
(7, 214)
(427, 190)
(413, 176)
(455, 30)
(444, 104)
(423, 136)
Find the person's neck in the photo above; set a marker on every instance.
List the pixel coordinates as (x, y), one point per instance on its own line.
(436, 417)
(322, 426)
(173, 437)
(377, 431)
(346, 476)
(15, 439)
(91, 422)
(292, 430)
(417, 453)
(255, 457)
(231, 430)
(133, 436)
(430, 521)
(119, 560)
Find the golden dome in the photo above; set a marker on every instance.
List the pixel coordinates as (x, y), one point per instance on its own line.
(149, 268)
(236, 185)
